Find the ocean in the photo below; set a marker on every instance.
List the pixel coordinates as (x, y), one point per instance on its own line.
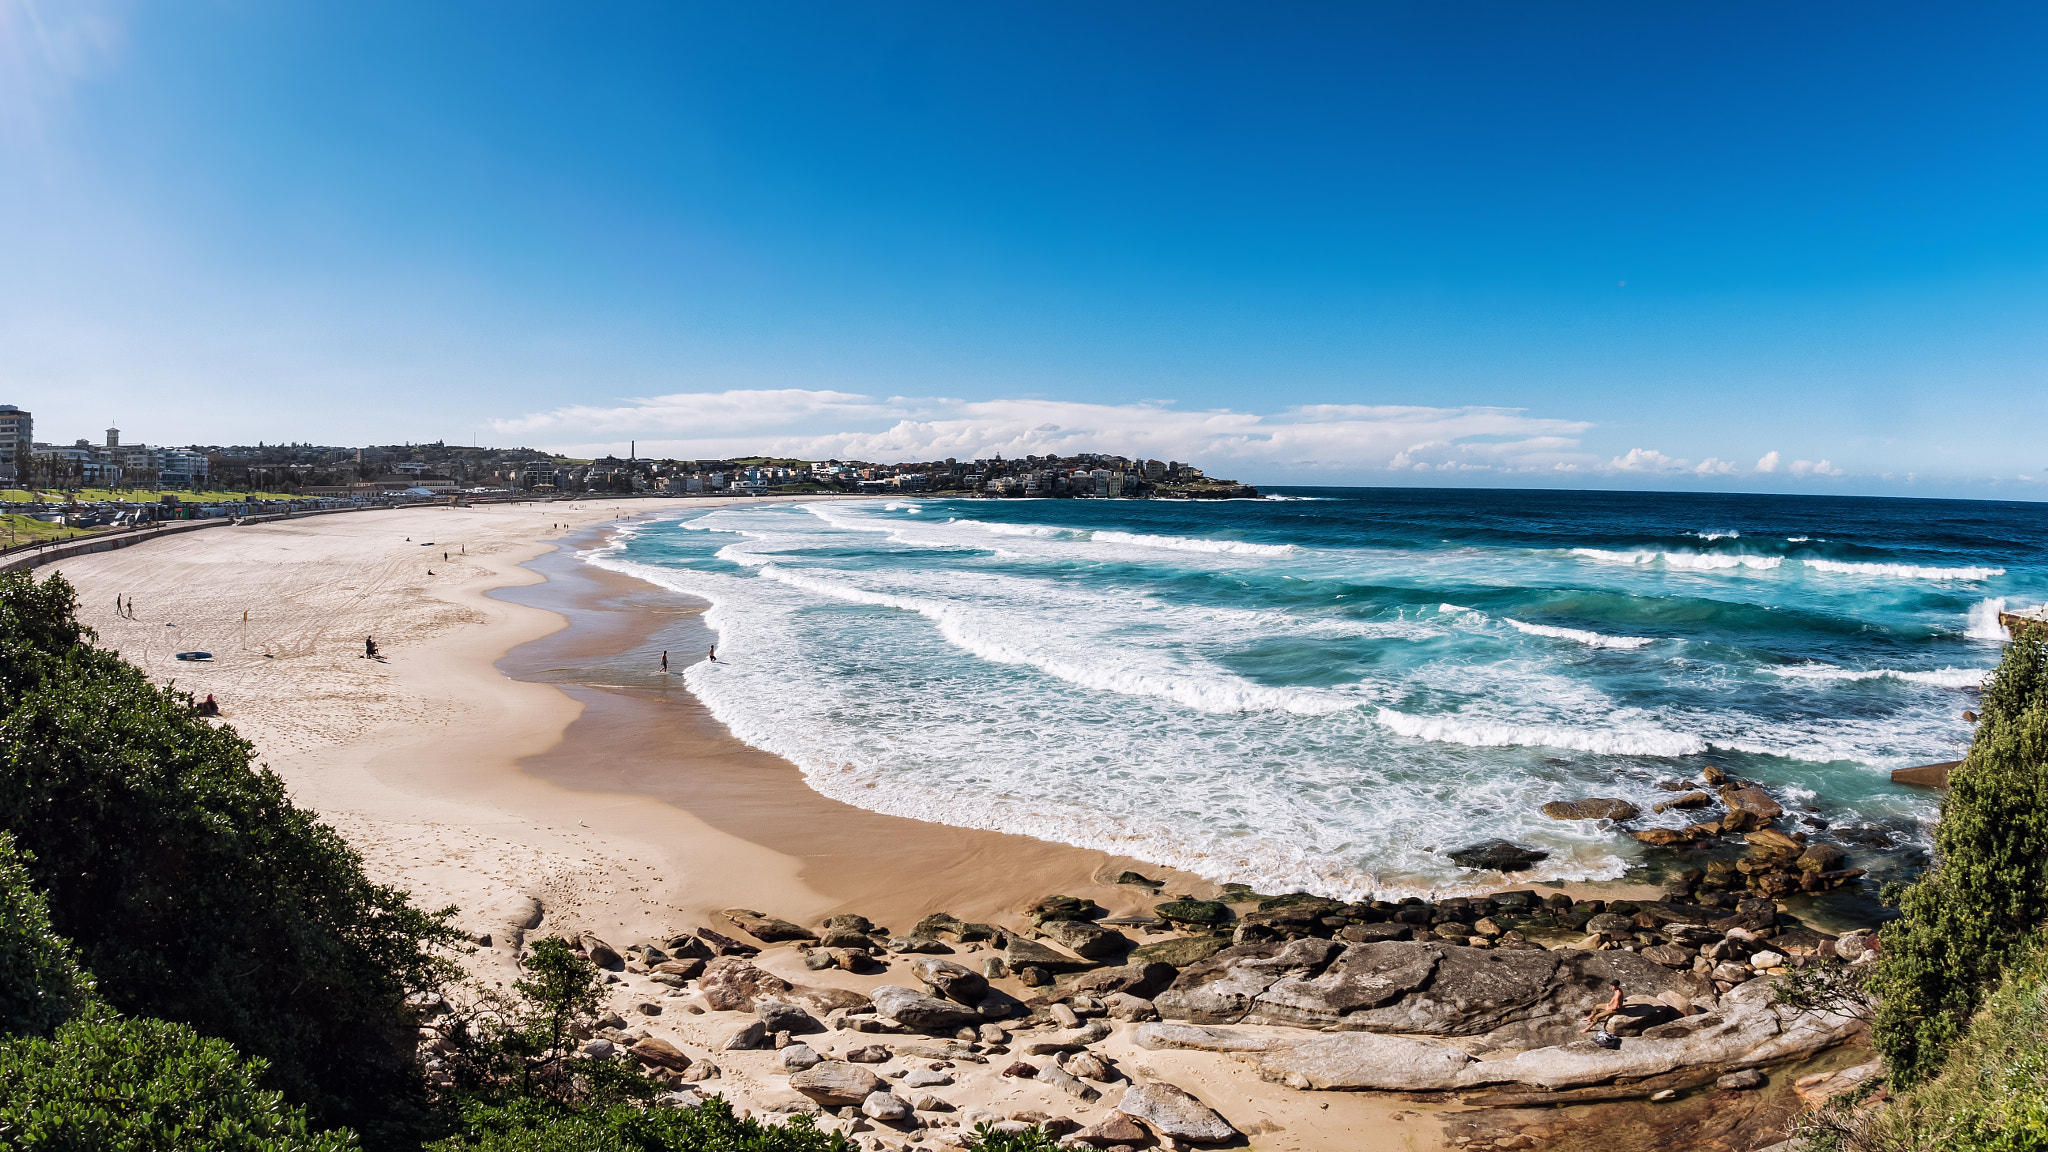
(1330, 688)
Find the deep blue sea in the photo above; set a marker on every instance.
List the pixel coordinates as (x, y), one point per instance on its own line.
(1327, 689)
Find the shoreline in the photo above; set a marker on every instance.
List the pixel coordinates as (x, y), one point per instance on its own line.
(642, 734)
(517, 754)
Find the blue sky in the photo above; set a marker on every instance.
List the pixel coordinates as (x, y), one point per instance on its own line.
(1730, 247)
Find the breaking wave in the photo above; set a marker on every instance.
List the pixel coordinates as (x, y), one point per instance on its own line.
(1902, 571)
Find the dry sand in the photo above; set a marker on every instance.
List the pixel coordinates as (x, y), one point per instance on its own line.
(625, 810)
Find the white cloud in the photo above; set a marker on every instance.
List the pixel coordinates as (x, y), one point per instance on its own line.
(1768, 462)
(827, 425)
(1714, 466)
(1814, 468)
(1646, 460)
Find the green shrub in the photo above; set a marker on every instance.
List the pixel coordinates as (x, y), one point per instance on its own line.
(1991, 1094)
(1988, 891)
(113, 1085)
(41, 985)
(192, 887)
(521, 1044)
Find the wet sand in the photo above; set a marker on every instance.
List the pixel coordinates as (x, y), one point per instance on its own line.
(645, 734)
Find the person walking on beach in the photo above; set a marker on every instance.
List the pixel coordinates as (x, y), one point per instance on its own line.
(664, 663)
(369, 648)
(714, 653)
(1612, 1006)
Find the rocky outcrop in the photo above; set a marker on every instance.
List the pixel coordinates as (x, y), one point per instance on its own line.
(1416, 988)
(1745, 1032)
(766, 928)
(1180, 952)
(731, 984)
(1497, 855)
(1596, 808)
(1141, 979)
(1170, 1111)
(927, 1014)
(837, 1084)
(1188, 910)
(1019, 954)
(1090, 941)
(955, 982)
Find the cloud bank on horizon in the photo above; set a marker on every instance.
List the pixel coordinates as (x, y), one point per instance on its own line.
(1331, 441)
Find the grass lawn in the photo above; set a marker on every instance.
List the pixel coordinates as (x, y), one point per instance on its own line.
(17, 529)
(145, 496)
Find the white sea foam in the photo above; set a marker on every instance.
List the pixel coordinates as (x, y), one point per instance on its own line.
(1938, 678)
(1198, 544)
(1095, 704)
(1703, 561)
(1983, 620)
(1590, 639)
(1719, 535)
(1452, 729)
(1902, 571)
(1004, 638)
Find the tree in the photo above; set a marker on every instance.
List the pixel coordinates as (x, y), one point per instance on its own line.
(521, 1044)
(1988, 891)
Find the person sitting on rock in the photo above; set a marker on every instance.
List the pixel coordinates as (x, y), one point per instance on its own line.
(1612, 1006)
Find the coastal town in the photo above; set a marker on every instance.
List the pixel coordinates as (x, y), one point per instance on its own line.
(118, 477)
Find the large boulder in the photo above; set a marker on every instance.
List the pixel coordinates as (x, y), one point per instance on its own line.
(927, 1014)
(1181, 951)
(660, 1053)
(601, 954)
(731, 984)
(1091, 941)
(1221, 989)
(837, 1084)
(1019, 953)
(1050, 908)
(1821, 858)
(1411, 987)
(825, 1000)
(955, 982)
(1190, 911)
(1497, 855)
(767, 928)
(1752, 800)
(1170, 1111)
(782, 1016)
(1142, 979)
(1596, 808)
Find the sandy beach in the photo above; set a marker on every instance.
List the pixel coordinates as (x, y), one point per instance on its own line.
(479, 764)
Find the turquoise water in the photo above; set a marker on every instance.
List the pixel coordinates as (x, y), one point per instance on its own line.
(1329, 689)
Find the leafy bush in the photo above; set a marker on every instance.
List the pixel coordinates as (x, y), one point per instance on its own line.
(41, 985)
(194, 890)
(113, 1085)
(1989, 889)
(1990, 1096)
(521, 1045)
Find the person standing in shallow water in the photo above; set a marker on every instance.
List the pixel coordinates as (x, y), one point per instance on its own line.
(714, 654)
(664, 663)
